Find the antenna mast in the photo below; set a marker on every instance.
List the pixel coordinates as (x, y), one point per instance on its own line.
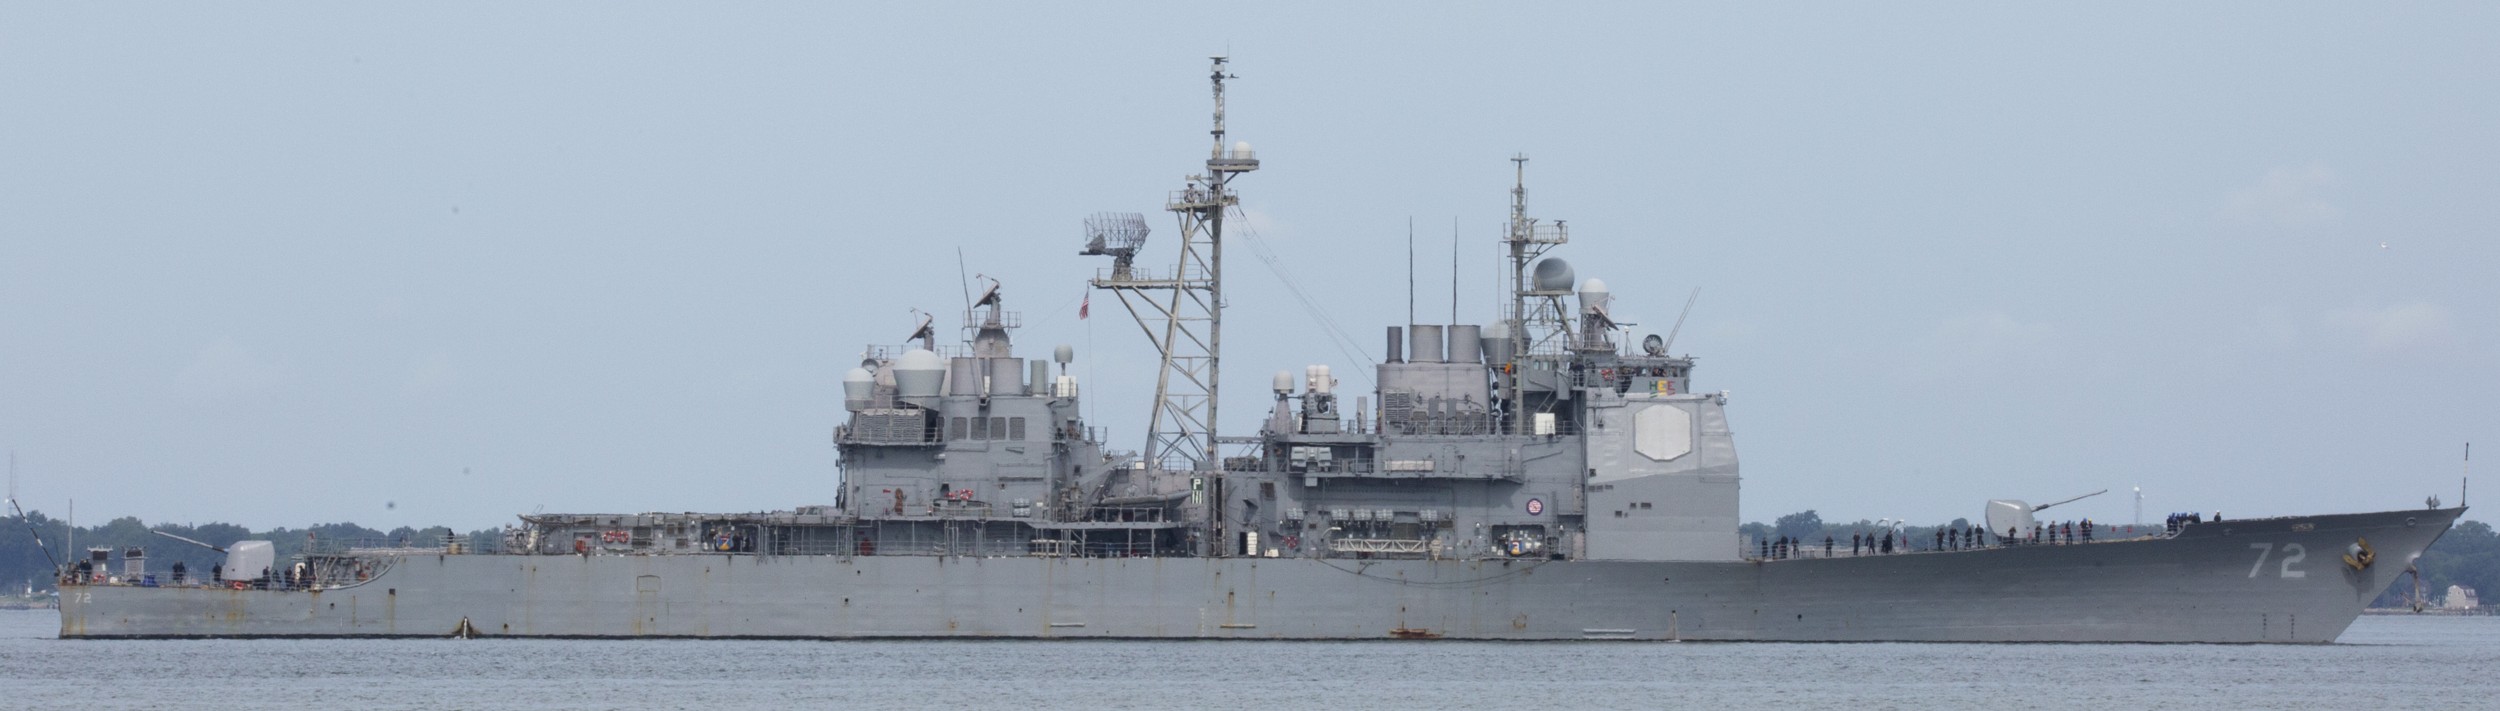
(1187, 325)
(1527, 240)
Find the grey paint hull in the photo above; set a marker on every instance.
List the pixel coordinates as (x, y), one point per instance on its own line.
(2270, 580)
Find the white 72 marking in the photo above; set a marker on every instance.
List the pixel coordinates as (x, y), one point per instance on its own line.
(2292, 553)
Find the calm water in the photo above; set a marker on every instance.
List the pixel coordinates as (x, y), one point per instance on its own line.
(2405, 662)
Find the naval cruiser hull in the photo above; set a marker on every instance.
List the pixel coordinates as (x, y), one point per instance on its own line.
(2281, 580)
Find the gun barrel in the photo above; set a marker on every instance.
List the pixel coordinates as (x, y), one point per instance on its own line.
(2044, 507)
(190, 541)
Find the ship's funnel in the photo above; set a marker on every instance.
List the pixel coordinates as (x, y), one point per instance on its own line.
(1006, 376)
(859, 387)
(917, 377)
(1423, 342)
(1397, 346)
(1466, 343)
(963, 376)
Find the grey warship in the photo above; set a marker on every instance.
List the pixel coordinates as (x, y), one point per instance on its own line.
(1538, 477)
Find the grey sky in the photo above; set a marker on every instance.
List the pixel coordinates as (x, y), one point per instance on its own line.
(283, 264)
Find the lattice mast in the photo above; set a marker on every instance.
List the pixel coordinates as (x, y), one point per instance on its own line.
(1187, 325)
(1536, 316)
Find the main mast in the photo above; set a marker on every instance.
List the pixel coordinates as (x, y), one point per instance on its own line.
(1527, 240)
(1187, 326)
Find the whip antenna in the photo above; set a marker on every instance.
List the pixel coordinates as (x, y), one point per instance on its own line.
(1410, 269)
(1679, 322)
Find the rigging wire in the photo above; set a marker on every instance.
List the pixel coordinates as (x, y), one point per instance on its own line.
(1337, 337)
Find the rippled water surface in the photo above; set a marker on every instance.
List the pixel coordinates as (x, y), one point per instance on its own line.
(2382, 662)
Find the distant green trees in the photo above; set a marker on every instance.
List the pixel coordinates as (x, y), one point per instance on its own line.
(2468, 555)
(1803, 525)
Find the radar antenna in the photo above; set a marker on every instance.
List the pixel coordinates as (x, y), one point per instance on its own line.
(926, 332)
(1119, 235)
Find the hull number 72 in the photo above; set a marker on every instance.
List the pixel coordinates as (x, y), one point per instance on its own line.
(2293, 553)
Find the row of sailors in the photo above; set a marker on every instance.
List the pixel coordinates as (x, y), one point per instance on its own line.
(2181, 520)
(1946, 539)
(1953, 539)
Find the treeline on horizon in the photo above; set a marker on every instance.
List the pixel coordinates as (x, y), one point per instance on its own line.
(2468, 555)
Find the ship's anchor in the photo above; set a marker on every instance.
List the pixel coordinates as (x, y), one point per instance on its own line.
(2359, 555)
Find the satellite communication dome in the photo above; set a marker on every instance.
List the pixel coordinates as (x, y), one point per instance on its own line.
(1241, 149)
(918, 373)
(1497, 345)
(1593, 292)
(859, 387)
(1064, 354)
(1282, 383)
(1553, 274)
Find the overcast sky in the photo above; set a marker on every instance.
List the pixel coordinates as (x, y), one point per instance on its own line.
(288, 264)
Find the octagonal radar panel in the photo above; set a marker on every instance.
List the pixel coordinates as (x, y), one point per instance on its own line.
(1662, 432)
